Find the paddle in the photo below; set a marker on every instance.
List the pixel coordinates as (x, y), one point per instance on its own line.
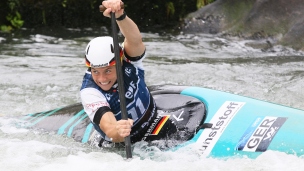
(120, 79)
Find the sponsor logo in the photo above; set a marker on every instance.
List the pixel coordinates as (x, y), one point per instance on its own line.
(179, 118)
(130, 92)
(151, 128)
(220, 121)
(99, 65)
(259, 135)
(128, 71)
(108, 96)
(94, 106)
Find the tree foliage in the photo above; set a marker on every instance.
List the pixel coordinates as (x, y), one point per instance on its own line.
(85, 13)
(13, 17)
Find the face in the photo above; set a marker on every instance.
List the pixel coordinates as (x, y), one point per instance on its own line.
(104, 77)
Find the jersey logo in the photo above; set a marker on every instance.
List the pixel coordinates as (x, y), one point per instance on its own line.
(108, 96)
(128, 71)
(130, 92)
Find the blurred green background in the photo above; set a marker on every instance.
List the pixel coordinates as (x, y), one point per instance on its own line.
(15, 14)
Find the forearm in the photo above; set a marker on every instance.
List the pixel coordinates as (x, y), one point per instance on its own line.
(133, 44)
(108, 125)
(130, 30)
(112, 133)
(133, 40)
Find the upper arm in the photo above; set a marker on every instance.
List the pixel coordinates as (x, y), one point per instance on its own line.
(92, 100)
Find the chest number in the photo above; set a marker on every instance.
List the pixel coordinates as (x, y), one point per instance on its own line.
(137, 110)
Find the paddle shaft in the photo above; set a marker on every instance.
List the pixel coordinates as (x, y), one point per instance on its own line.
(120, 80)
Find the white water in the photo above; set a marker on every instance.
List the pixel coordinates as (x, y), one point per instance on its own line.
(40, 72)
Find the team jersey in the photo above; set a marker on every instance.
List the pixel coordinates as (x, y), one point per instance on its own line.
(138, 99)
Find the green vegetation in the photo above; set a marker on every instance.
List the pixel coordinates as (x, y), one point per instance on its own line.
(85, 13)
(170, 9)
(13, 17)
(202, 3)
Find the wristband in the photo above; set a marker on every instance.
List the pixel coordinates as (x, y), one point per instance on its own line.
(123, 16)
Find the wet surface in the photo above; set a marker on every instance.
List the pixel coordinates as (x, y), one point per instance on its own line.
(43, 70)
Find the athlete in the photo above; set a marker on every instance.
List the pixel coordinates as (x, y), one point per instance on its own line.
(99, 91)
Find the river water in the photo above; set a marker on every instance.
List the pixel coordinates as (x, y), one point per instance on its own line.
(43, 69)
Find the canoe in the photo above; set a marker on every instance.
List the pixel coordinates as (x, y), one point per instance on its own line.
(212, 123)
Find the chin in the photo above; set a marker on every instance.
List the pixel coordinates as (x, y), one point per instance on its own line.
(105, 89)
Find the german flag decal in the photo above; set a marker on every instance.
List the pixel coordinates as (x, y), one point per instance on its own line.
(160, 124)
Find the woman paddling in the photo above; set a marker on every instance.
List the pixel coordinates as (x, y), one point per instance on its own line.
(99, 93)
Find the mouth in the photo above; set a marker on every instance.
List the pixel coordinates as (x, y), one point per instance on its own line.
(104, 83)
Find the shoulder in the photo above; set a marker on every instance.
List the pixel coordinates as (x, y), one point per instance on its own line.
(91, 94)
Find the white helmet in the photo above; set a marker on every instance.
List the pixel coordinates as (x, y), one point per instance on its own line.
(100, 52)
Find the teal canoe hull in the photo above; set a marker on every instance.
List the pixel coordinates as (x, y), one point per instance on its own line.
(245, 126)
(241, 126)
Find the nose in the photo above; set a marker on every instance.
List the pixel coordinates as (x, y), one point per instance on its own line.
(102, 78)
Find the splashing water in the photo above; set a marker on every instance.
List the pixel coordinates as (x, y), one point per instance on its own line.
(40, 72)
